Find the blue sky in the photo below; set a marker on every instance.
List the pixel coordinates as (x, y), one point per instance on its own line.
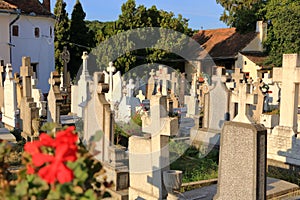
(201, 13)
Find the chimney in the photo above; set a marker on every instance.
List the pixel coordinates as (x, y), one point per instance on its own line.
(46, 5)
(261, 28)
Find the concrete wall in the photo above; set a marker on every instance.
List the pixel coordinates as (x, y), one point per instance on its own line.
(40, 49)
(4, 37)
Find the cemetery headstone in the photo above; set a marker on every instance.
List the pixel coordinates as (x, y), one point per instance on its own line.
(9, 115)
(81, 91)
(28, 110)
(55, 99)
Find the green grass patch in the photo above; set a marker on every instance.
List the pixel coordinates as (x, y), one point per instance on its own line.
(196, 166)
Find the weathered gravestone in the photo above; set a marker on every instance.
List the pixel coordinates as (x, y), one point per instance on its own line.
(81, 91)
(9, 115)
(216, 112)
(284, 146)
(55, 99)
(149, 156)
(98, 119)
(28, 110)
(242, 160)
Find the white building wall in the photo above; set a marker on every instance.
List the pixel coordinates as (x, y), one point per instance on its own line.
(40, 49)
(4, 37)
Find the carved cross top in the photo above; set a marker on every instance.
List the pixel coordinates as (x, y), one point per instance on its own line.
(237, 76)
(111, 68)
(243, 98)
(65, 55)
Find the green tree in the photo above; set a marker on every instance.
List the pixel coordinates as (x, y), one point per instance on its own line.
(283, 29)
(133, 17)
(61, 29)
(81, 38)
(241, 14)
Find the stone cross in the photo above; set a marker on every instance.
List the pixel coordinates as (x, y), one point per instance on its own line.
(243, 97)
(174, 82)
(84, 58)
(65, 57)
(258, 100)
(26, 73)
(219, 77)
(163, 75)
(289, 75)
(55, 98)
(111, 69)
(237, 76)
(150, 85)
(29, 110)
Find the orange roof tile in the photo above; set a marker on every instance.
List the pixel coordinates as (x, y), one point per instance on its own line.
(26, 6)
(224, 42)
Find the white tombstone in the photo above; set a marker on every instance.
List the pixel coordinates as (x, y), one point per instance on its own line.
(164, 77)
(283, 143)
(10, 99)
(81, 91)
(38, 97)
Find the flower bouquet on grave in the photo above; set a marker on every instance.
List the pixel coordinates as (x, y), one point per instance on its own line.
(57, 168)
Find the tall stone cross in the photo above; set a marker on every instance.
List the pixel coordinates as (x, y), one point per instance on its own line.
(163, 75)
(289, 75)
(237, 76)
(29, 110)
(26, 73)
(243, 97)
(219, 77)
(151, 83)
(111, 69)
(55, 98)
(258, 100)
(65, 57)
(174, 82)
(85, 58)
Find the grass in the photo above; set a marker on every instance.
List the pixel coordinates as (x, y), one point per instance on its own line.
(195, 166)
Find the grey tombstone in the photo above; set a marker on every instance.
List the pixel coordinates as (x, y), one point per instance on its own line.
(242, 162)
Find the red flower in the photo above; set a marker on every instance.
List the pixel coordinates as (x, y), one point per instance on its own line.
(53, 165)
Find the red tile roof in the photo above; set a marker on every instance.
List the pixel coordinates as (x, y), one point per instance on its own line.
(223, 43)
(26, 6)
(5, 5)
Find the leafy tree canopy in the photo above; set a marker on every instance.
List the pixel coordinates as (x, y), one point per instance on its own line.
(133, 17)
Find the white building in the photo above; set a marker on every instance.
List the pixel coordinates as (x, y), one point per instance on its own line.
(27, 29)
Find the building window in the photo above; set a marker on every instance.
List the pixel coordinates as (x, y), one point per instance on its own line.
(37, 32)
(50, 32)
(245, 62)
(15, 30)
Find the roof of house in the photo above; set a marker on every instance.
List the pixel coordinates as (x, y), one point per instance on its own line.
(26, 6)
(256, 57)
(224, 42)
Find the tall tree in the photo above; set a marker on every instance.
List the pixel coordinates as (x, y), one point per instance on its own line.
(133, 17)
(283, 29)
(81, 39)
(61, 29)
(241, 14)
